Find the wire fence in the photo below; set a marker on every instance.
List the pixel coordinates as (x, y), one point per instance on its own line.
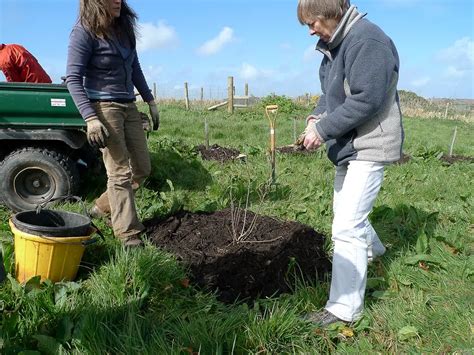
(411, 104)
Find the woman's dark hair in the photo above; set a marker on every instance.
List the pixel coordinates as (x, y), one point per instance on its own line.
(96, 17)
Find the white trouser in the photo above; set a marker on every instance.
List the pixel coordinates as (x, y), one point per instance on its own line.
(356, 186)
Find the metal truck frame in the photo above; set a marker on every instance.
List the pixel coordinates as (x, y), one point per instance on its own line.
(43, 144)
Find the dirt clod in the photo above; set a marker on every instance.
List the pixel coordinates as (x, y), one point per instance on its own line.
(290, 149)
(216, 152)
(451, 159)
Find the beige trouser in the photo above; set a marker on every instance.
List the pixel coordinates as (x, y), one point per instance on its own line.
(126, 151)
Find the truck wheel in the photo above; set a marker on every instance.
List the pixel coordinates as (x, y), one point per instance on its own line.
(31, 176)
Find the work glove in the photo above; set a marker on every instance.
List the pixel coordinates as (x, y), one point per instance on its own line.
(312, 141)
(97, 134)
(309, 139)
(155, 116)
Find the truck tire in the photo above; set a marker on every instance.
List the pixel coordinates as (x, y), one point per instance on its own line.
(31, 176)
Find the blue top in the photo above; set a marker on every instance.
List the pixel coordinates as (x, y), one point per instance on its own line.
(99, 68)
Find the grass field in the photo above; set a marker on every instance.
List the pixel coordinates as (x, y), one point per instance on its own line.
(419, 295)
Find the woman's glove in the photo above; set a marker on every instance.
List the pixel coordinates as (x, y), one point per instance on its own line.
(97, 134)
(310, 138)
(312, 141)
(155, 116)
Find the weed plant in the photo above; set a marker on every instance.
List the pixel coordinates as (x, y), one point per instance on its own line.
(419, 294)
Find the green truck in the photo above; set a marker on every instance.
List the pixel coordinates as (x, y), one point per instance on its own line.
(43, 144)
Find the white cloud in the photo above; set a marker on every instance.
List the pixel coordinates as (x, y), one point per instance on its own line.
(249, 72)
(214, 45)
(459, 58)
(420, 82)
(156, 36)
(153, 73)
(454, 73)
(462, 51)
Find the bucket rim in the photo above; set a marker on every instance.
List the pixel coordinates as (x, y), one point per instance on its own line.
(49, 239)
(76, 230)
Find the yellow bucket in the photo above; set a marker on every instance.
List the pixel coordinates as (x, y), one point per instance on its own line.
(53, 258)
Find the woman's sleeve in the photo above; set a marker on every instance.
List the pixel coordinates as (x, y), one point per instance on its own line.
(139, 81)
(369, 69)
(79, 53)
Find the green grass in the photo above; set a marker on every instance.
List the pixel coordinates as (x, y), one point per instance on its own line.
(419, 295)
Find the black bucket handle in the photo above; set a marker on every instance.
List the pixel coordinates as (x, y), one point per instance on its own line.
(41, 206)
(84, 243)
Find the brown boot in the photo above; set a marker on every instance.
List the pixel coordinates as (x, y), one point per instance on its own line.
(96, 212)
(132, 241)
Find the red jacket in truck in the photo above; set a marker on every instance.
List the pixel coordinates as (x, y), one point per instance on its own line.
(19, 65)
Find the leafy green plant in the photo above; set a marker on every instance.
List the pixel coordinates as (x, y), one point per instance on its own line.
(285, 104)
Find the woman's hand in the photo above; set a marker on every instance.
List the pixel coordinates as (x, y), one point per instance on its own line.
(97, 134)
(155, 116)
(311, 140)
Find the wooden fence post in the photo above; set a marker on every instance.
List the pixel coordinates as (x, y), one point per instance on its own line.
(230, 94)
(154, 90)
(246, 94)
(202, 94)
(453, 140)
(186, 95)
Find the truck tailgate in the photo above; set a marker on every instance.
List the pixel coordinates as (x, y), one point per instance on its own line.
(37, 105)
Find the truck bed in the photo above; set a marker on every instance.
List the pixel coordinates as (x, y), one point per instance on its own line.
(29, 105)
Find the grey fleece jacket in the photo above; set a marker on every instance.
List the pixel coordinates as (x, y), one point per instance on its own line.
(358, 113)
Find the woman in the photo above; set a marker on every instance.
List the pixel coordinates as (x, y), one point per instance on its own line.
(102, 70)
(358, 118)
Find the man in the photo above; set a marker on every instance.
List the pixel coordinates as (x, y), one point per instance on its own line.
(358, 118)
(19, 65)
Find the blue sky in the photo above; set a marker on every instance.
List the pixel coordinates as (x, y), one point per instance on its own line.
(259, 42)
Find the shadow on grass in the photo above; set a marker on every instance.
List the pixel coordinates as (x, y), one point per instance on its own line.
(94, 257)
(402, 228)
(183, 169)
(185, 172)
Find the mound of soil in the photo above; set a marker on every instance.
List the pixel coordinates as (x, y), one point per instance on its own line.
(290, 149)
(263, 263)
(216, 152)
(456, 159)
(404, 159)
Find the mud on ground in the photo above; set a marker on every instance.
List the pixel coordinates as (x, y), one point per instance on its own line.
(216, 152)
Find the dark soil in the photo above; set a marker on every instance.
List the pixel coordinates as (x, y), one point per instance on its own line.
(404, 159)
(456, 159)
(265, 263)
(290, 149)
(216, 152)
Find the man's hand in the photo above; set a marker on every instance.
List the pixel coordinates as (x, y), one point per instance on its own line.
(155, 116)
(97, 134)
